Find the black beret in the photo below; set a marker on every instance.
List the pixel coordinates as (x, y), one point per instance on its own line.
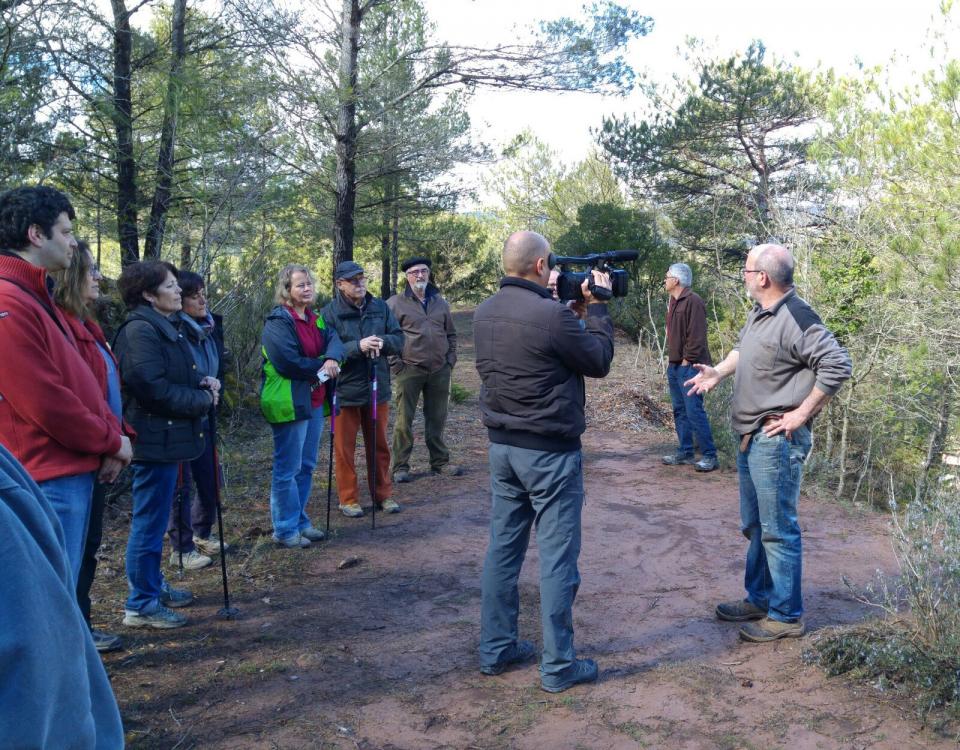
(411, 262)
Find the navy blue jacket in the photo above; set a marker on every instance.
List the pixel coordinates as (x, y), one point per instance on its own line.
(284, 354)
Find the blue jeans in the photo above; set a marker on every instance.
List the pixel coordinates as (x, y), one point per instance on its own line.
(545, 488)
(770, 473)
(153, 486)
(71, 498)
(295, 447)
(689, 418)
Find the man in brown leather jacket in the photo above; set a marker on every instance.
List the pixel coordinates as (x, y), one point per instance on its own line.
(424, 367)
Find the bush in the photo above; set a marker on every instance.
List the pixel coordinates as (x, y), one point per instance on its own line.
(459, 394)
(916, 649)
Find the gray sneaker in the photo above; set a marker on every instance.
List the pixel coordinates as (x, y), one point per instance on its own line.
(106, 642)
(192, 560)
(739, 611)
(297, 541)
(402, 476)
(390, 506)
(162, 619)
(209, 546)
(312, 534)
(582, 670)
(176, 598)
(707, 463)
(352, 511)
(678, 459)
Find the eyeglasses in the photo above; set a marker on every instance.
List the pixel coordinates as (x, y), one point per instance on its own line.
(356, 280)
(197, 295)
(745, 271)
(418, 272)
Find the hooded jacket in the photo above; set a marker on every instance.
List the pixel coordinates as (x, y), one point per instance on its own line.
(287, 374)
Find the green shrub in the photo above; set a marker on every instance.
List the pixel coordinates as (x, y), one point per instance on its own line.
(459, 394)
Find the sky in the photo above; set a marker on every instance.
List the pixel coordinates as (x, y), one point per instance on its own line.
(838, 34)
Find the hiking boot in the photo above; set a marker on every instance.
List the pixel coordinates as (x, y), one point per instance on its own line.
(390, 506)
(209, 546)
(448, 470)
(582, 670)
(351, 511)
(707, 463)
(106, 642)
(402, 476)
(771, 630)
(297, 541)
(312, 534)
(520, 652)
(162, 619)
(678, 459)
(739, 611)
(171, 597)
(192, 560)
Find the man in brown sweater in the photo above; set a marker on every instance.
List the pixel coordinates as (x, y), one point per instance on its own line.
(686, 347)
(424, 367)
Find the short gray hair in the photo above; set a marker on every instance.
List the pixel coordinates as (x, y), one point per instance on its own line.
(682, 273)
(776, 261)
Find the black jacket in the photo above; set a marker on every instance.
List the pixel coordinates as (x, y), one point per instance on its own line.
(532, 354)
(353, 385)
(162, 395)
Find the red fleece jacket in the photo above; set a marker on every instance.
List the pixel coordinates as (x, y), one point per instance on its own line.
(53, 415)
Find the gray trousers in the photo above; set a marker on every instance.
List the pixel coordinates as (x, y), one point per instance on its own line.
(543, 488)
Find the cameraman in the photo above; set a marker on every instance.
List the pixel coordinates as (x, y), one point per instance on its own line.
(532, 355)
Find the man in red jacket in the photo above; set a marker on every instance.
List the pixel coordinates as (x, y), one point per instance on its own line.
(53, 414)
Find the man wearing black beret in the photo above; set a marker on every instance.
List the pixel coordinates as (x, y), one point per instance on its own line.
(424, 367)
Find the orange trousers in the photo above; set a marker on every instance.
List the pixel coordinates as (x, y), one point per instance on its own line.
(350, 420)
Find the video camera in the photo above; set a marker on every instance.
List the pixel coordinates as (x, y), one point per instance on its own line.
(569, 282)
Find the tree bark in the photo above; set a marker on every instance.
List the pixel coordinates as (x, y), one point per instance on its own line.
(122, 116)
(346, 134)
(168, 132)
(936, 441)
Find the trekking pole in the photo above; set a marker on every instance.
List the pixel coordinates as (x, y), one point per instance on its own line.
(333, 419)
(181, 488)
(227, 612)
(373, 412)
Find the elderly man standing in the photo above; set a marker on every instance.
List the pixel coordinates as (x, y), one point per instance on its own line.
(787, 365)
(532, 356)
(425, 367)
(686, 347)
(367, 330)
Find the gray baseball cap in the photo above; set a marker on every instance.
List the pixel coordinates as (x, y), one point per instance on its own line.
(347, 270)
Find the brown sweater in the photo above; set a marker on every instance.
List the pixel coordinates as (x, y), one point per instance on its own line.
(687, 330)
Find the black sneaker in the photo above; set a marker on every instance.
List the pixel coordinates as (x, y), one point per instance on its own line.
(582, 670)
(520, 652)
(678, 459)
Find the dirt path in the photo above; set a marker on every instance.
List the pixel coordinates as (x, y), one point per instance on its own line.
(383, 654)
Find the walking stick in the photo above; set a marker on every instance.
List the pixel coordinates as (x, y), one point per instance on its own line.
(373, 411)
(333, 419)
(181, 488)
(227, 612)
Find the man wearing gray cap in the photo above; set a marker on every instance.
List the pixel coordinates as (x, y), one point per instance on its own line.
(424, 367)
(368, 330)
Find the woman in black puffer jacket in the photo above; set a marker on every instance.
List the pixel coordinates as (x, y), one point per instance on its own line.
(165, 400)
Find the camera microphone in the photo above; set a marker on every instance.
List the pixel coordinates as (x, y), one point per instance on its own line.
(621, 256)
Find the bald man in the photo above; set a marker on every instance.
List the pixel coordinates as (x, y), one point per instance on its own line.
(787, 365)
(532, 355)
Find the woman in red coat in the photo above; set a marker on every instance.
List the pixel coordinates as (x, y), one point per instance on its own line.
(78, 288)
